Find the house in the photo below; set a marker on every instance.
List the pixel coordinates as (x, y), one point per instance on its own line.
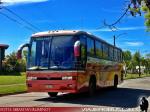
(142, 69)
(3, 47)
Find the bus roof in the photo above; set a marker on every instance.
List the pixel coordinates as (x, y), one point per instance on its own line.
(57, 33)
(67, 32)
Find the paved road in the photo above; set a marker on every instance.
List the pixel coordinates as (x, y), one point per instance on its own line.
(126, 96)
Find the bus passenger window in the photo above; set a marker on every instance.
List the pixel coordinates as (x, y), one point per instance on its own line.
(118, 55)
(111, 53)
(105, 51)
(83, 50)
(115, 55)
(121, 57)
(98, 49)
(90, 47)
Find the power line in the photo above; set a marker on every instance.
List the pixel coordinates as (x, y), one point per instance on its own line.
(14, 20)
(25, 21)
(31, 26)
(111, 26)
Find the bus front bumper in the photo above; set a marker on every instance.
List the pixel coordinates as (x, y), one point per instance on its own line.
(52, 86)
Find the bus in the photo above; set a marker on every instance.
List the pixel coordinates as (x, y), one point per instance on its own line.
(71, 62)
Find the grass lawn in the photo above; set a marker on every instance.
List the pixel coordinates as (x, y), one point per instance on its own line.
(134, 76)
(10, 84)
(12, 89)
(10, 79)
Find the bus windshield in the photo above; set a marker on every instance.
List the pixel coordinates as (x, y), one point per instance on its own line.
(52, 53)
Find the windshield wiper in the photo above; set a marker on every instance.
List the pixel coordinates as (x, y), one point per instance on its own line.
(54, 67)
(37, 68)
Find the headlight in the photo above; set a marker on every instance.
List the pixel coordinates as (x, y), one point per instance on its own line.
(67, 78)
(31, 78)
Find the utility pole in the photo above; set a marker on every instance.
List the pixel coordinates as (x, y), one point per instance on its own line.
(114, 40)
(115, 37)
(139, 68)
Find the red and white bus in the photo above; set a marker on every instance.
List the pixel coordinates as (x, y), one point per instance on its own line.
(72, 62)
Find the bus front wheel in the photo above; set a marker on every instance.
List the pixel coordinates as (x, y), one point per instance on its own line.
(52, 94)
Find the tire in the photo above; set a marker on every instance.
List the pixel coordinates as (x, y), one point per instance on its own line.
(115, 81)
(52, 94)
(92, 86)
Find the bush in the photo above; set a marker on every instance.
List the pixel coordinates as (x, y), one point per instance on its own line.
(12, 64)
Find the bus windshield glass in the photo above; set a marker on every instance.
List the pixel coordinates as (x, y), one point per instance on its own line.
(52, 53)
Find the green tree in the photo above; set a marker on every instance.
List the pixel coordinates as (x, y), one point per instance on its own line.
(137, 61)
(138, 6)
(12, 64)
(127, 55)
(147, 63)
(127, 59)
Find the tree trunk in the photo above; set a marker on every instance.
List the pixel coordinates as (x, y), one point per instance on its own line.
(139, 69)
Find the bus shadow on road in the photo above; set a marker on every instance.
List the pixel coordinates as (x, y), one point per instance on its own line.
(121, 97)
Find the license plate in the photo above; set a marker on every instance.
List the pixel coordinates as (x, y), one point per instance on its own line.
(49, 86)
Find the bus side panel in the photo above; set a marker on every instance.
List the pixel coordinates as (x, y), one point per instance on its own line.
(104, 70)
(82, 81)
(107, 74)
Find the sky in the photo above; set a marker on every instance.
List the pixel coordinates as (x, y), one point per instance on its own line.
(86, 15)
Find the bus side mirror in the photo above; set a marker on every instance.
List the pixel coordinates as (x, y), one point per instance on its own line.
(19, 53)
(77, 49)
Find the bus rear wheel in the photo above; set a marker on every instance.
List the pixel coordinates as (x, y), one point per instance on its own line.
(52, 94)
(92, 86)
